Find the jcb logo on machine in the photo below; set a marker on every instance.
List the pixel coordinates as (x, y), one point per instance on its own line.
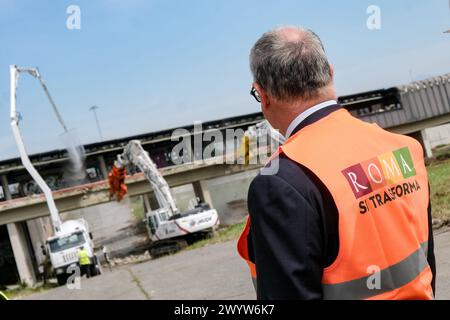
(384, 170)
(170, 231)
(207, 219)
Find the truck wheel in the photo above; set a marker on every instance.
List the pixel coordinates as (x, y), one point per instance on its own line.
(62, 279)
(95, 268)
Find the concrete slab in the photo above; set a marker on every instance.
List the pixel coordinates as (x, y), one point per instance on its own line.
(442, 253)
(211, 272)
(116, 285)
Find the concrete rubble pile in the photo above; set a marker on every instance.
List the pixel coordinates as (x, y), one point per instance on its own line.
(131, 259)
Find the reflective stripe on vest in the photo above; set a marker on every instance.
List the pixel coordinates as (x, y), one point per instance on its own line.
(391, 278)
(379, 184)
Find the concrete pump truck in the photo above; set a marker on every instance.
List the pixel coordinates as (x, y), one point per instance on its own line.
(62, 247)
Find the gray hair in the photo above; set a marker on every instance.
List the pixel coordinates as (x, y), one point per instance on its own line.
(290, 67)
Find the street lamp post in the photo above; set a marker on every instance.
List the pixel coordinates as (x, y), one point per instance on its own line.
(94, 110)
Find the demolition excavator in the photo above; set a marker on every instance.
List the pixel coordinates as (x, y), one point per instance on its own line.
(169, 228)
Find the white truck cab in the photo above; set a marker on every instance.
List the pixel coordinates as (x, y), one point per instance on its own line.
(63, 249)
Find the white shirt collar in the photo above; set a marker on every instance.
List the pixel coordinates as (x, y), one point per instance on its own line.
(302, 116)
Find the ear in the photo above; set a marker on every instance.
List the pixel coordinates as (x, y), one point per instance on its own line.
(265, 100)
(332, 72)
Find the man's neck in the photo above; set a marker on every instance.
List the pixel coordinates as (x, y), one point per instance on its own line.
(293, 110)
(297, 121)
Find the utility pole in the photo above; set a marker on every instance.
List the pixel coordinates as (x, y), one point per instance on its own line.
(448, 31)
(411, 75)
(94, 109)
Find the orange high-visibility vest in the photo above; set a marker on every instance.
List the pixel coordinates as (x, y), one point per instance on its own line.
(379, 183)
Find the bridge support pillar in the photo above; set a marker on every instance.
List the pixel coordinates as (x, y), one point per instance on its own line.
(146, 199)
(102, 165)
(422, 137)
(150, 202)
(201, 190)
(22, 254)
(19, 244)
(5, 187)
(426, 144)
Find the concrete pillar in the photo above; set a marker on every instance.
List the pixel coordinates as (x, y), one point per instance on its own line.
(426, 144)
(201, 190)
(38, 237)
(5, 187)
(153, 202)
(22, 254)
(102, 165)
(19, 244)
(147, 206)
(422, 137)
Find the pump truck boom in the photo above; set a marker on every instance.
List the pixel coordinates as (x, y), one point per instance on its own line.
(68, 236)
(169, 229)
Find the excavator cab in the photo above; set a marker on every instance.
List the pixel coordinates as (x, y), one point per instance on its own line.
(155, 218)
(152, 223)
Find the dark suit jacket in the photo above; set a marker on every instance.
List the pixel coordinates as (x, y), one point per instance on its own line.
(294, 229)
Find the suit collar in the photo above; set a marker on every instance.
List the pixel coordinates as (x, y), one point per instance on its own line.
(321, 113)
(303, 115)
